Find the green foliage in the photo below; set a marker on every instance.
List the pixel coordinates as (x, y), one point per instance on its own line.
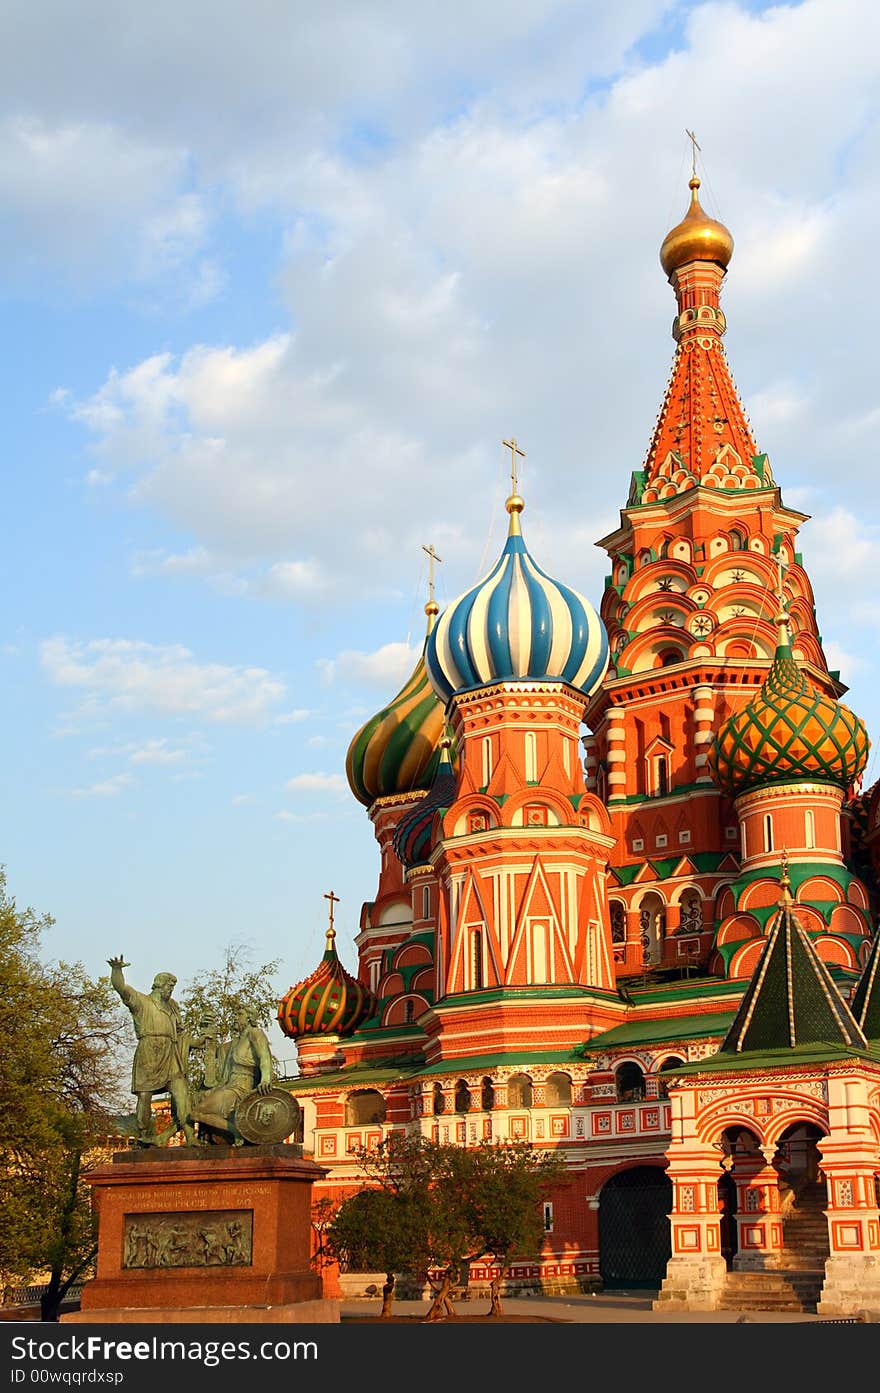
(220, 993)
(59, 1087)
(443, 1207)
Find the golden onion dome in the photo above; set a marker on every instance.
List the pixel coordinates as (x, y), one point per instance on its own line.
(696, 238)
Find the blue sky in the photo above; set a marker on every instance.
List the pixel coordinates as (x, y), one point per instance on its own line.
(276, 281)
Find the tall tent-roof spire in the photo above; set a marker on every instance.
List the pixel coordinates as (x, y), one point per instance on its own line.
(702, 437)
(791, 999)
(865, 1004)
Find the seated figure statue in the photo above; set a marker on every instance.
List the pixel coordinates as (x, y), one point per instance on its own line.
(232, 1070)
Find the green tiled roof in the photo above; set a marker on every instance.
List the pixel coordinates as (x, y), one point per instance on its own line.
(655, 1031)
(791, 999)
(866, 999)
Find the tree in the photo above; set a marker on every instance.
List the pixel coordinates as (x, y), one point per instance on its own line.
(509, 1181)
(380, 1230)
(219, 994)
(59, 1089)
(455, 1205)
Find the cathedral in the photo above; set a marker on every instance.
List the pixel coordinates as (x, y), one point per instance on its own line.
(627, 886)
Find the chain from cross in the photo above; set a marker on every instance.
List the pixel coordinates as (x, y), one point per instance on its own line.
(514, 449)
(432, 557)
(694, 148)
(334, 900)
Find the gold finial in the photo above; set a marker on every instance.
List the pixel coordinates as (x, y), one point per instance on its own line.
(514, 504)
(514, 449)
(694, 148)
(782, 618)
(432, 609)
(785, 898)
(331, 932)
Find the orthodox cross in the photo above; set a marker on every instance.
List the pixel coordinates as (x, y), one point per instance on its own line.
(695, 147)
(334, 900)
(514, 449)
(432, 557)
(780, 567)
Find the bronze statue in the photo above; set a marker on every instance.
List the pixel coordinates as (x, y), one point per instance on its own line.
(159, 1063)
(232, 1070)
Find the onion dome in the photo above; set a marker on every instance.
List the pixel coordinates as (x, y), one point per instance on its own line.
(327, 1002)
(412, 837)
(696, 238)
(789, 731)
(516, 624)
(396, 750)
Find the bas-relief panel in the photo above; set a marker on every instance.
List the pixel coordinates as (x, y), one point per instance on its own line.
(206, 1238)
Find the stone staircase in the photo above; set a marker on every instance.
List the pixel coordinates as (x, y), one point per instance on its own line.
(795, 1285)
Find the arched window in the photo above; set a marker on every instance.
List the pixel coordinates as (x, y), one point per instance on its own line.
(768, 832)
(519, 1091)
(662, 1083)
(367, 1105)
(487, 1095)
(462, 1096)
(558, 1091)
(691, 912)
(439, 1100)
(737, 540)
(409, 1011)
(477, 958)
(487, 759)
(809, 828)
(531, 757)
(618, 922)
(629, 1082)
(661, 776)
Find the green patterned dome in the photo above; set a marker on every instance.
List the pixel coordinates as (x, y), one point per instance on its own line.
(397, 750)
(328, 1001)
(788, 731)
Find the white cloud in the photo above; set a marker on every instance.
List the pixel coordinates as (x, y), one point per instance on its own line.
(391, 663)
(131, 675)
(159, 751)
(107, 788)
(317, 783)
(293, 717)
(284, 815)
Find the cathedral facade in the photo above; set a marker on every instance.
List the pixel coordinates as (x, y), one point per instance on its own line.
(649, 947)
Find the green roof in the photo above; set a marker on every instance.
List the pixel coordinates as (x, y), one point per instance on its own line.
(817, 1052)
(791, 999)
(656, 1030)
(865, 1004)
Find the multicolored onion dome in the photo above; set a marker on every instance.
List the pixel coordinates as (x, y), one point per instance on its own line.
(696, 238)
(412, 837)
(396, 750)
(788, 731)
(516, 624)
(327, 1002)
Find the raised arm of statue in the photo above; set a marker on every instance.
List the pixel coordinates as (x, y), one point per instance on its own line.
(117, 981)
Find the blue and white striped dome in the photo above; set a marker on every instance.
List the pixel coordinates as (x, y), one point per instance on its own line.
(516, 624)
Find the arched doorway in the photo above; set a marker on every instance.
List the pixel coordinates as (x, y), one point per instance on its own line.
(634, 1240)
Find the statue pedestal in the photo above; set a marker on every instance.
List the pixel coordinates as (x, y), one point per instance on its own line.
(192, 1234)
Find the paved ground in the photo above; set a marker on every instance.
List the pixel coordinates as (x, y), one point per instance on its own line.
(605, 1308)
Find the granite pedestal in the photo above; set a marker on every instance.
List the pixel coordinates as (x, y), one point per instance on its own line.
(192, 1234)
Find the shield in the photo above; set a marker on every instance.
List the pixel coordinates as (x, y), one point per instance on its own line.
(267, 1118)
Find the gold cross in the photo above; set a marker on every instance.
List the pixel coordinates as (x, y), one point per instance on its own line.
(780, 569)
(514, 449)
(695, 147)
(334, 900)
(432, 557)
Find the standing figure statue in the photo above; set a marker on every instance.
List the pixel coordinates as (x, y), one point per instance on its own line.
(159, 1063)
(233, 1070)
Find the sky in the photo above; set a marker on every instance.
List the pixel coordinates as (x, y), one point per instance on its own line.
(276, 280)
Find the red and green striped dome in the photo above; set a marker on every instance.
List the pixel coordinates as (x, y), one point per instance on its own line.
(788, 731)
(327, 1002)
(397, 750)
